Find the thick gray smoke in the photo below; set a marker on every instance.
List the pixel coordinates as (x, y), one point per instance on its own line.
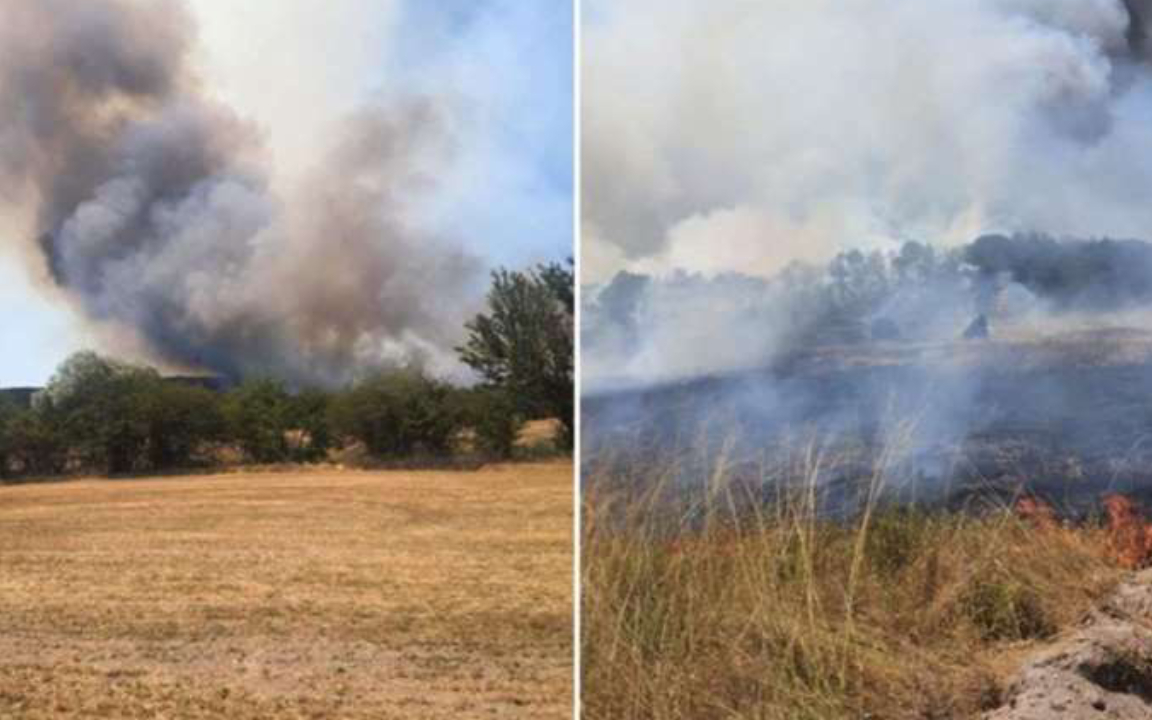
(154, 209)
(642, 330)
(735, 135)
(1093, 276)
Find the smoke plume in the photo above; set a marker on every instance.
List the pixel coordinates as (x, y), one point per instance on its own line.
(154, 208)
(739, 135)
(641, 329)
(1098, 275)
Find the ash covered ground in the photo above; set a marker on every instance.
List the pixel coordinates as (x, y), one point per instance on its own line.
(1067, 415)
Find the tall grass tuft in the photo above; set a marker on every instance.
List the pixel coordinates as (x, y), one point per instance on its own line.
(744, 597)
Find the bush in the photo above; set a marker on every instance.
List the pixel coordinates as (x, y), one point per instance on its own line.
(895, 538)
(258, 417)
(496, 421)
(399, 413)
(1005, 609)
(308, 415)
(36, 443)
(180, 420)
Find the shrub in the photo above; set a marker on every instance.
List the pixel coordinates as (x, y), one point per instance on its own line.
(895, 538)
(1005, 609)
(308, 415)
(180, 419)
(36, 443)
(495, 419)
(258, 418)
(399, 413)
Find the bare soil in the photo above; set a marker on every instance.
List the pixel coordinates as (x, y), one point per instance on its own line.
(1100, 669)
(318, 594)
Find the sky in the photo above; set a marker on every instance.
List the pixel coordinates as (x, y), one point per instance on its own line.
(295, 69)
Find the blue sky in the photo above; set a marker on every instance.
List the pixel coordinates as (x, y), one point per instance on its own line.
(35, 332)
(512, 63)
(507, 64)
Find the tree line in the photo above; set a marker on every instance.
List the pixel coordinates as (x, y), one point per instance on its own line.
(100, 415)
(854, 295)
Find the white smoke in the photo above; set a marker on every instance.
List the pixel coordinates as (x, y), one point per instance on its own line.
(825, 124)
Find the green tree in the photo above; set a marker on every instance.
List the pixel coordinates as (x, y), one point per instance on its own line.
(308, 415)
(496, 421)
(99, 404)
(258, 416)
(180, 419)
(524, 343)
(398, 413)
(35, 439)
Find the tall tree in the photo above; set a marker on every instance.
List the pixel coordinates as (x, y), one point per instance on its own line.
(398, 413)
(524, 343)
(258, 416)
(98, 402)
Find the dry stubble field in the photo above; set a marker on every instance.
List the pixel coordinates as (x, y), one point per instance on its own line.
(312, 594)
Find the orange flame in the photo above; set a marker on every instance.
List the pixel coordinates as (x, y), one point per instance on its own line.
(1037, 512)
(1129, 534)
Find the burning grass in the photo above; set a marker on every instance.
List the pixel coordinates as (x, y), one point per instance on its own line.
(753, 610)
(309, 594)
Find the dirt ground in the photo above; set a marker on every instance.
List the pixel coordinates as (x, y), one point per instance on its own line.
(1102, 668)
(318, 594)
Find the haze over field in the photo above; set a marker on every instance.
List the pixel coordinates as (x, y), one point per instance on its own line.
(290, 189)
(742, 137)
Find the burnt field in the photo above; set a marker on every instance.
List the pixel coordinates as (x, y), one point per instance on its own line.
(1064, 415)
(302, 594)
(855, 532)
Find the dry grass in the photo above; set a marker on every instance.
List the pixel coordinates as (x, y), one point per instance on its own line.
(774, 613)
(303, 595)
(538, 432)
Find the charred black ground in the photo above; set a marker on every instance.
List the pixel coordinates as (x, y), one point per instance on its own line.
(1057, 402)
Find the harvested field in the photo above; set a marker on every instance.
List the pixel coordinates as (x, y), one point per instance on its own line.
(310, 594)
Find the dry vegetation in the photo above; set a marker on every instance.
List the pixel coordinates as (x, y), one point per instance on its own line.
(703, 610)
(313, 594)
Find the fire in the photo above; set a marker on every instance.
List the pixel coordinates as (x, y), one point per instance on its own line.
(1128, 535)
(1038, 512)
